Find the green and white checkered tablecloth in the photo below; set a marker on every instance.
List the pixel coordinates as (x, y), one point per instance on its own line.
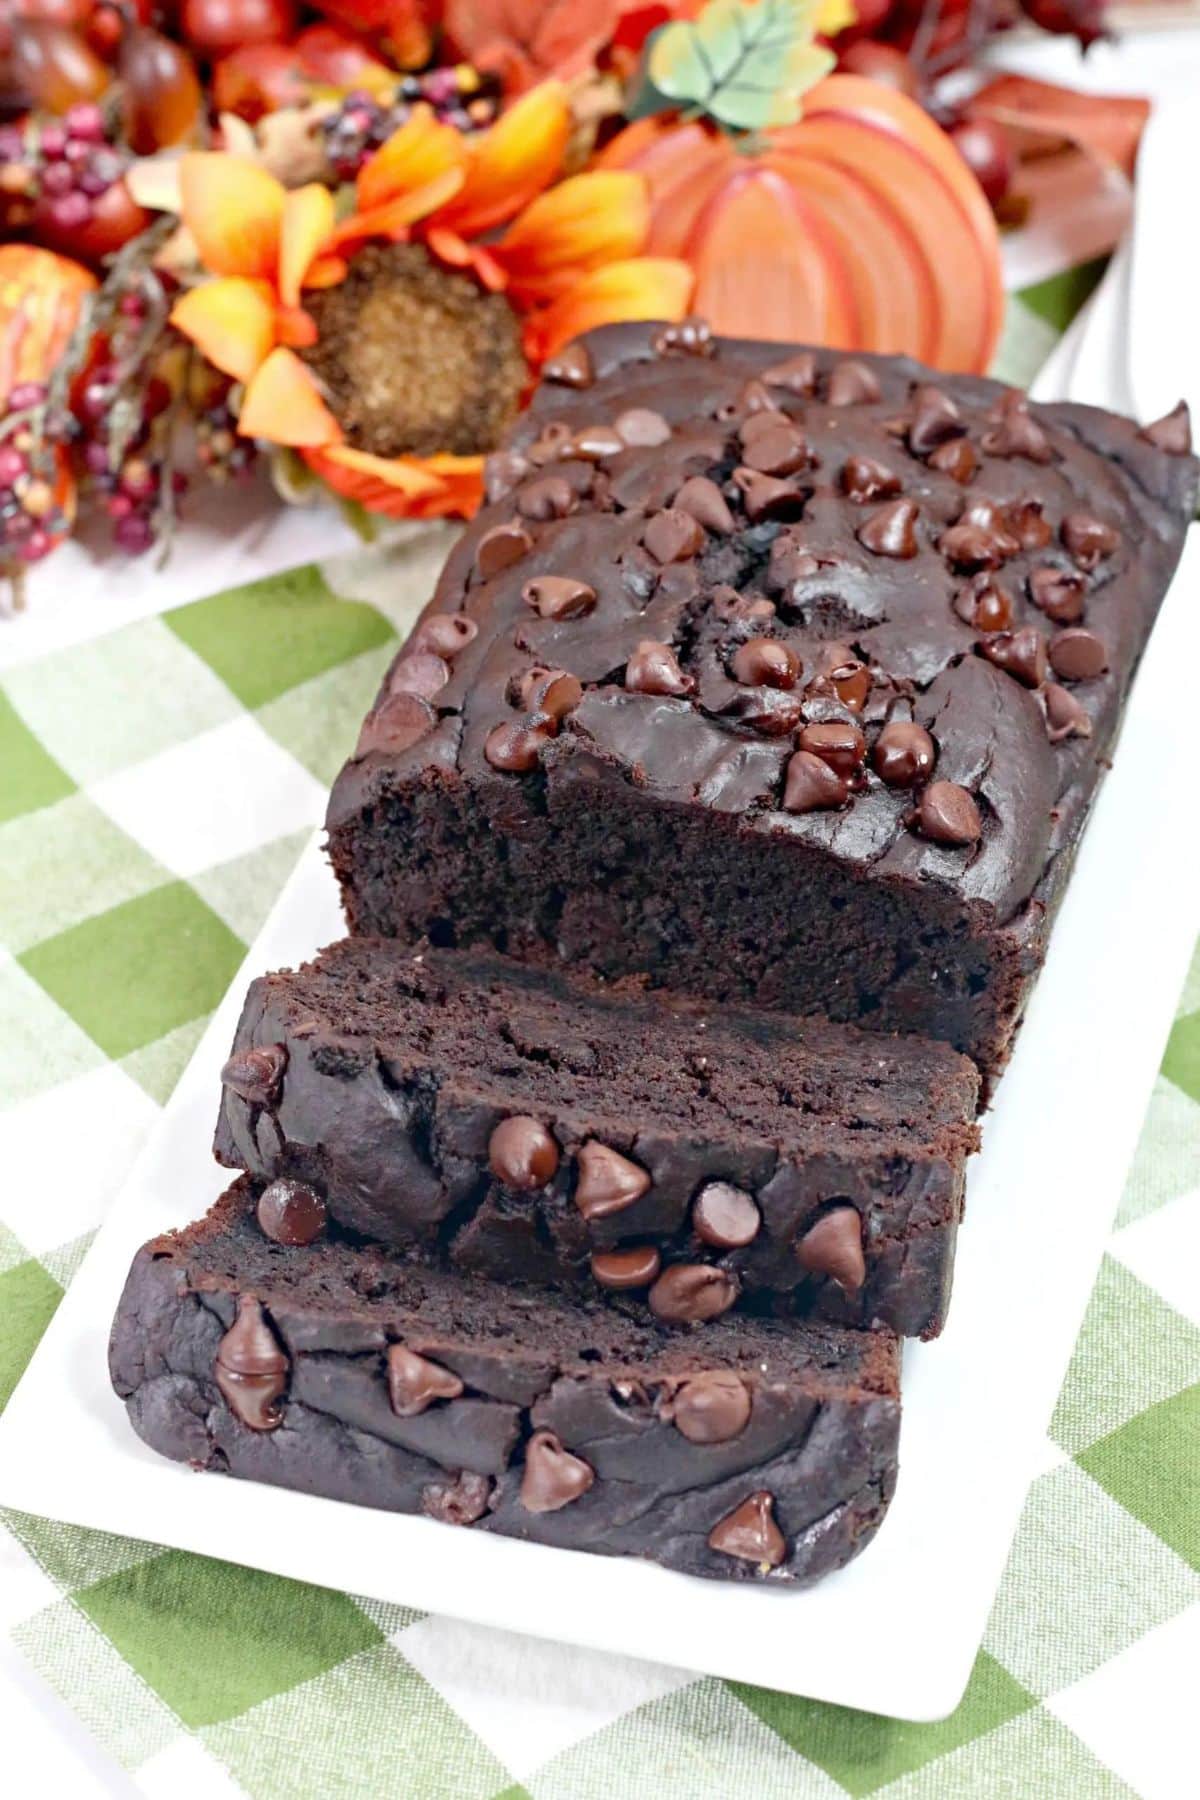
(156, 785)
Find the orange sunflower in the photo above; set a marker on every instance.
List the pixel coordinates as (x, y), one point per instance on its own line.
(391, 349)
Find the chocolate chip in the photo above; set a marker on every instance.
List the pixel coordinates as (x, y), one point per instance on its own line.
(852, 384)
(608, 1182)
(459, 1501)
(725, 1216)
(570, 367)
(1059, 593)
(250, 1368)
(838, 743)
(904, 753)
(499, 548)
(256, 1076)
(768, 496)
(890, 531)
(728, 604)
(1089, 540)
(1078, 655)
(812, 785)
(549, 497)
(772, 711)
(1065, 715)
(516, 747)
(777, 448)
(752, 397)
(833, 1247)
(621, 1270)
(796, 373)
(1028, 524)
(654, 669)
(765, 662)
(552, 443)
(503, 470)
(414, 1383)
(1172, 433)
(396, 724)
(555, 692)
(956, 458)
(935, 420)
(445, 634)
(710, 1408)
(692, 1293)
(522, 1153)
(984, 605)
(969, 548)
(558, 596)
(750, 1533)
(865, 479)
(592, 443)
(948, 814)
(1015, 432)
(552, 1476)
(673, 535)
(290, 1213)
(691, 336)
(1021, 654)
(418, 672)
(641, 429)
(706, 503)
(840, 672)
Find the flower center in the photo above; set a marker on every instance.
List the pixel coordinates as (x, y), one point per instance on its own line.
(415, 358)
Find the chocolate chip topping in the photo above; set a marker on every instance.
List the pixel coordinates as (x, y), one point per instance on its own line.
(796, 373)
(570, 367)
(446, 634)
(711, 1408)
(250, 1368)
(641, 429)
(812, 785)
(593, 443)
(765, 662)
(1077, 655)
(833, 1247)
(607, 1181)
(706, 503)
(1015, 432)
(414, 1383)
(502, 471)
(1066, 716)
(980, 540)
(554, 692)
(936, 419)
(673, 535)
(768, 496)
(1172, 433)
(692, 1293)
(256, 1076)
(552, 1476)
(777, 447)
(838, 743)
(1021, 654)
(654, 669)
(621, 1270)
(522, 1153)
(956, 458)
(852, 384)
(558, 596)
(460, 1501)
(1058, 593)
(1089, 540)
(291, 1213)
(750, 1533)
(865, 479)
(1028, 524)
(500, 547)
(691, 336)
(396, 724)
(419, 672)
(771, 711)
(839, 672)
(890, 531)
(904, 754)
(948, 814)
(546, 497)
(516, 747)
(725, 1216)
(984, 604)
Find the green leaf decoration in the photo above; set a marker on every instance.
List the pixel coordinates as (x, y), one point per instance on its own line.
(746, 63)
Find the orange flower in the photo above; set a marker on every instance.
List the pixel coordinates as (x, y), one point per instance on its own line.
(478, 217)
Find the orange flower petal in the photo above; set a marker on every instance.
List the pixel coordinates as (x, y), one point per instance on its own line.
(306, 224)
(644, 287)
(581, 224)
(402, 487)
(450, 249)
(413, 157)
(403, 472)
(233, 209)
(516, 159)
(282, 405)
(231, 321)
(393, 218)
(295, 327)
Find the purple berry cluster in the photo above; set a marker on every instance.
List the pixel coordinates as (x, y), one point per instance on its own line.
(66, 164)
(31, 519)
(459, 95)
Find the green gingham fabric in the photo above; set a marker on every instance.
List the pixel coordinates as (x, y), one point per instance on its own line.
(156, 786)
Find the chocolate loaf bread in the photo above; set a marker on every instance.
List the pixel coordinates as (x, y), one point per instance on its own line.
(539, 1126)
(772, 675)
(745, 1450)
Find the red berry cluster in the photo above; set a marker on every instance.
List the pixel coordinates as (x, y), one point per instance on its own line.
(64, 167)
(460, 96)
(31, 519)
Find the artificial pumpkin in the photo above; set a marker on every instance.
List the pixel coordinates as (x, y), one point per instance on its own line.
(40, 298)
(859, 226)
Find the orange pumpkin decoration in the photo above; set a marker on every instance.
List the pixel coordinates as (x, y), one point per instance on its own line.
(859, 226)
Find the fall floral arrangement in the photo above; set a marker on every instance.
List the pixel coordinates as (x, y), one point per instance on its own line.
(348, 235)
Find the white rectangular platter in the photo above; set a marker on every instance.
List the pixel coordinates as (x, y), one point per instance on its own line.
(897, 1631)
